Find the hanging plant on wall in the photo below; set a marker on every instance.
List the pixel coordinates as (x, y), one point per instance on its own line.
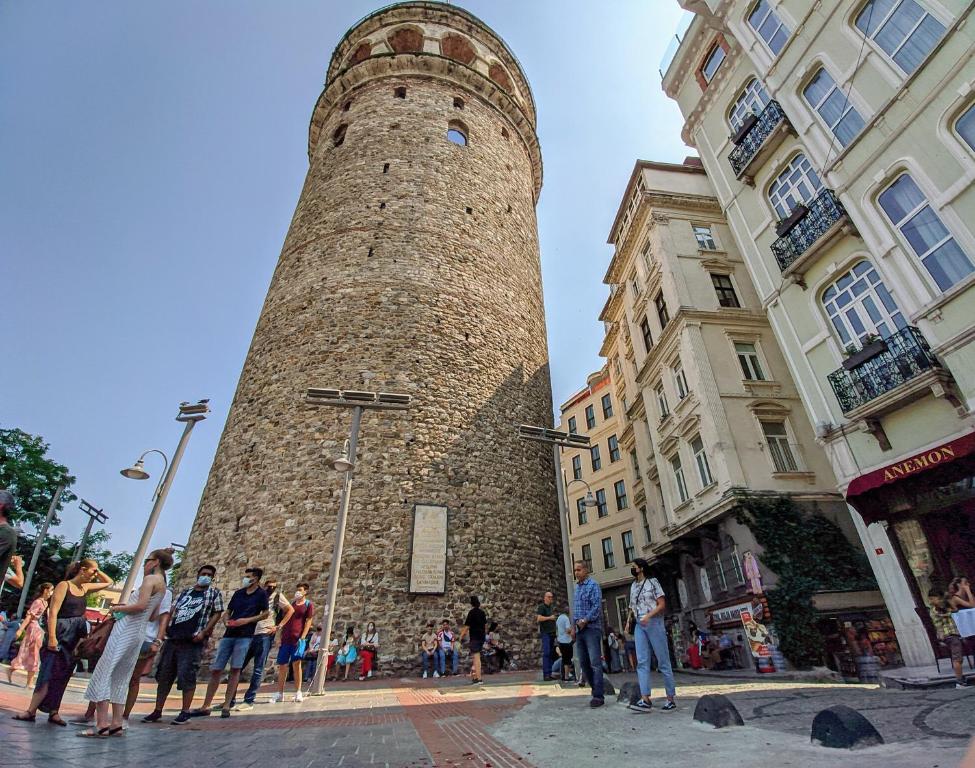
(809, 554)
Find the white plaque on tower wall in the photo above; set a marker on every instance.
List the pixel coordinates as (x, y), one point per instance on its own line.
(428, 550)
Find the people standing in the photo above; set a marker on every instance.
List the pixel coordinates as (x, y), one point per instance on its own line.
(545, 616)
(110, 681)
(8, 545)
(294, 639)
(194, 616)
(261, 643)
(155, 632)
(66, 626)
(31, 635)
(430, 652)
(370, 650)
(564, 635)
(247, 606)
(587, 608)
(947, 632)
(446, 637)
(475, 626)
(615, 645)
(648, 602)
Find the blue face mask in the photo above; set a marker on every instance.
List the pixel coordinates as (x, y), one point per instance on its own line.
(204, 581)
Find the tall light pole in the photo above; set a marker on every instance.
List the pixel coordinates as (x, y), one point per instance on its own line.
(25, 590)
(358, 402)
(189, 414)
(93, 516)
(558, 441)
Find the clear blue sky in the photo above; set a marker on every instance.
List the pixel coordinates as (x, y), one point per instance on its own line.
(151, 157)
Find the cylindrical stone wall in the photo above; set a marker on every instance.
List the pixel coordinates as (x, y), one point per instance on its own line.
(414, 260)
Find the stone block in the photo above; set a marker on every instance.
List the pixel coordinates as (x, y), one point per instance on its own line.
(717, 710)
(629, 693)
(842, 727)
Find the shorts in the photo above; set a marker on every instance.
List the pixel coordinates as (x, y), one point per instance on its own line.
(954, 646)
(288, 653)
(348, 658)
(179, 660)
(147, 655)
(232, 649)
(476, 645)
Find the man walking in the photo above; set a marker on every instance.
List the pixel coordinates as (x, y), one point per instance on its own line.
(587, 608)
(564, 636)
(545, 616)
(191, 622)
(247, 606)
(278, 615)
(475, 625)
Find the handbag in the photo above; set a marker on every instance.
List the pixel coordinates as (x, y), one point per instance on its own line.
(631, 618)
(92, 646)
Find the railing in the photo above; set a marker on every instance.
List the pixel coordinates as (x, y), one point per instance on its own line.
(674, 45)
(907, 356)
(821, 214)
(768, 119)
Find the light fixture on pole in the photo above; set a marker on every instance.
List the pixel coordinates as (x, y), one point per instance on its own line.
(41, 534)
(94, 515)
(358, 402)
(590, 500)
(558, 441)
(189, 414)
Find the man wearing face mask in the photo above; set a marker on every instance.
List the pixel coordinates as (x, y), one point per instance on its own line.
(191, 622)
(263, 640)
(247, 606)
(294, 634)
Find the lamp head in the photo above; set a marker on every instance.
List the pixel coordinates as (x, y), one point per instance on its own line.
(343, 463)
(591, 500)
(136, 472)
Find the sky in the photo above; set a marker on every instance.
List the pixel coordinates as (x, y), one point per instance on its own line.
(151, 156)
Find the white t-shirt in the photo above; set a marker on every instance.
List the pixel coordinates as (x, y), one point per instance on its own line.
(562, 625)
(152, 627)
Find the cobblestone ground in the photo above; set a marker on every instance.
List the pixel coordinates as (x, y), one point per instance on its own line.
(511, 721)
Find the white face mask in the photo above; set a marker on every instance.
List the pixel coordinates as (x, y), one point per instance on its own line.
(246, 581)
(203, 581)
(299, 596)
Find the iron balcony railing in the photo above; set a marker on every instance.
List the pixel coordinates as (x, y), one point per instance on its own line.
(902, 356)
(747, 147)
(821, 214)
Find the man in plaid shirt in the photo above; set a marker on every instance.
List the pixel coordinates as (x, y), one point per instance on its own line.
(192, 619)
(587, 607)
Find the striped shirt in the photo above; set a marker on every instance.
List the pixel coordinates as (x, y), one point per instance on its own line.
(588, 602)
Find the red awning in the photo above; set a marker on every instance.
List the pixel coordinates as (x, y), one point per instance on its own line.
(938, 456)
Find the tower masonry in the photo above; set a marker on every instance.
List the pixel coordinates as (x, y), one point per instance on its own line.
(411, 265)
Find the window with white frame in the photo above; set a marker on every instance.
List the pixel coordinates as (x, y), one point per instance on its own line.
(587, 556)
(725, 290)
(648, 257)
(662, 405)
(581, 511)
(590, 417)
(903, 29)
(646, 524)
(824, 95)
(712, 63)
(859, 305)
(680, 382)
(634, 287)
(751, 101)
(798, 184)
(614, 449)
(597, 463)
(609, 561)
(751, 366)
(619, 487)
(768, 26)
(577, 467)
(704, 237)
(662, 314)
(601, 509)
(679, 482)
(701, 460)
(629, 548)
(965, 126)
(572, 425)
(646, 334)
(909, 211)
(780, 450)
(607, 403)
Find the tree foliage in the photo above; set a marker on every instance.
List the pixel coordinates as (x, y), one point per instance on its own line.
(31, 476)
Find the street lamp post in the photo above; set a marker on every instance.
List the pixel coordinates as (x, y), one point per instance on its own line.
(558, 441)
(93, 516)
(25, 590)
(358, 402)
(189, 414)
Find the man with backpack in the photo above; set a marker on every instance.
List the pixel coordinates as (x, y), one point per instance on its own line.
(263, 640)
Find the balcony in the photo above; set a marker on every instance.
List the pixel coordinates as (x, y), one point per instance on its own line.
(886, 375)
(809, 230)
(757, 139)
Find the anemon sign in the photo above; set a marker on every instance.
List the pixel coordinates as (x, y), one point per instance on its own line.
(919, 463)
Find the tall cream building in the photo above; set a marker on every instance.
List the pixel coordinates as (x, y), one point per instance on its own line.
(840, 139)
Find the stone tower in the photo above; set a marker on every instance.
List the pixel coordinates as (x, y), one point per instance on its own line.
(412, 258)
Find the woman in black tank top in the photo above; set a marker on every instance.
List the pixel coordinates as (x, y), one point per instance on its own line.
(66, 625)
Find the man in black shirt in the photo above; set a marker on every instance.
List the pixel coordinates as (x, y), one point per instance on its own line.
(475, 626)
(248, 606)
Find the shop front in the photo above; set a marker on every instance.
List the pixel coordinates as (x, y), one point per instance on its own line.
(926, 501)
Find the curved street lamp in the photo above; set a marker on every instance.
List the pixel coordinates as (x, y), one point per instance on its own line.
(590, 500)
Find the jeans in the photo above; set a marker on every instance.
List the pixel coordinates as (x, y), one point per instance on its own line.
(589, 643)
(259, 650)
(548, 651)
(431, 659)
(8, 637)
(442, 660)
(652, 637)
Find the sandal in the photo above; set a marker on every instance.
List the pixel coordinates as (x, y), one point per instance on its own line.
(119, 731)
(101, 733)
(55, 719)
(25, 718)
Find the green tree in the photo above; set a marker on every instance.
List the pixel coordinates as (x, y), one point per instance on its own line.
(31, 476)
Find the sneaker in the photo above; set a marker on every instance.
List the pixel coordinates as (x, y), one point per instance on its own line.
(436, 674)
(244, 706)
(370, 673)
(547, 678)
(424, 675)
(275, 698)
(199, 712)
(594, 703)
(182, 717)
(298, 698)
(670, 706)
(641, 706)
(361, 678)
(962, 684)
(153, 717)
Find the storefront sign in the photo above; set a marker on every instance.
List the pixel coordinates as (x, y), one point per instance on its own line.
(428, 552)
(911, 466)
(729, 615)
(756, 634)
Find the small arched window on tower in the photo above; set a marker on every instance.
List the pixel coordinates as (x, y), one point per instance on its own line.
(457, 133)
(400, 92)
(338, 138)
(458, 102)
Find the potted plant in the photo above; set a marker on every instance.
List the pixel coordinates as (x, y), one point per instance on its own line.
(873, 345)
(786, 225)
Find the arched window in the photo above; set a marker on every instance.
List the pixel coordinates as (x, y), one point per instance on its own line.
(903, 29)
(797, 185)
(768, 26)
(751, 101)
(498, 74)
(859, 305)
(338, 137)
(406, 40)
(457, 48)
(839, 114)
(457, 133)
